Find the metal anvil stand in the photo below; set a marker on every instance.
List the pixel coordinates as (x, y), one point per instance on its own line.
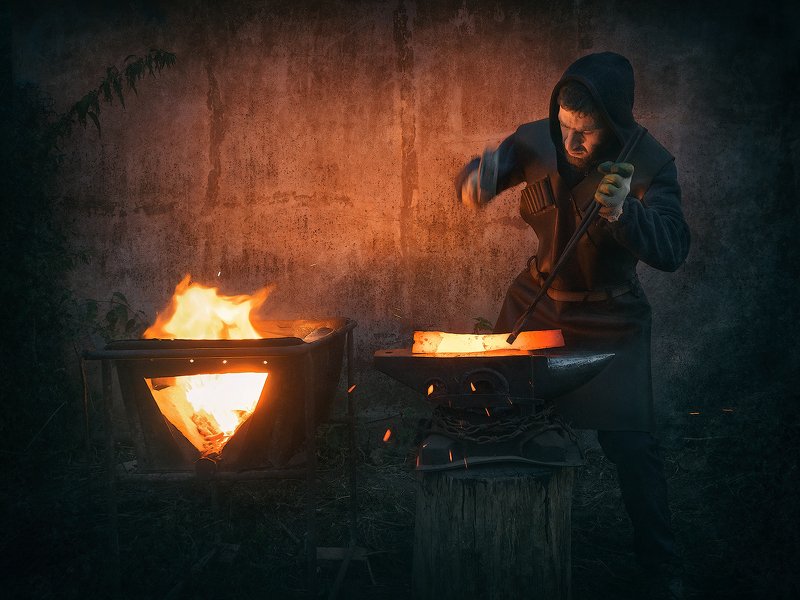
(309, 473)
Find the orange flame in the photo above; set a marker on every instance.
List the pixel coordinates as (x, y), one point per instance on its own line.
(430, 389)
(197, 312)
(207, 408)
(351, 388)
(387, 435)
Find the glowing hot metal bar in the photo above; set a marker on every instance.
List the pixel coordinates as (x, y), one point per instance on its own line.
(439, 342)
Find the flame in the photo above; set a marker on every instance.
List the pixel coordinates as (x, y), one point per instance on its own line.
(351, 388)
(451, 455)
(488, 414)
(207, 408)
(430, 389)
(472, 387)
(387, 435)
(197, 312)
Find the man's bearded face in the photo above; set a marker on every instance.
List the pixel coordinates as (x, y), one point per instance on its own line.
(583, 136)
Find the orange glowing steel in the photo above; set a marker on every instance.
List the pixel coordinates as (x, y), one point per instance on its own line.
(387, 435)
(440, 342)
(207, 408)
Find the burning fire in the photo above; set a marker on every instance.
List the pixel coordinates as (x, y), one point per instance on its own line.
(207, 408)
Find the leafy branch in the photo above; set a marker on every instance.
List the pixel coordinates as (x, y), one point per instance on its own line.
(112, 86)
(482, 324)
(119, 321)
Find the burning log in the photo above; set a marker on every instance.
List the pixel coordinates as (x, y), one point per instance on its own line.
(493, 532)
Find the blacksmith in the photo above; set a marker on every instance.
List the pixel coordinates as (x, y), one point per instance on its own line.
(566, 162)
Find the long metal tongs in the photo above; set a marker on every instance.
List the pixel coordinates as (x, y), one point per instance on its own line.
(588, 218)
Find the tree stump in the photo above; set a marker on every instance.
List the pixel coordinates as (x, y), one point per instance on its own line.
(493, 531)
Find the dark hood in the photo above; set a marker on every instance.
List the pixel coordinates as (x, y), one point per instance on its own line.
(609, 78)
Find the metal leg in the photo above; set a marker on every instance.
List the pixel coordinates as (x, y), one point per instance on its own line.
(311, 476)
(111, 483)
(351, 442)
(352, 548)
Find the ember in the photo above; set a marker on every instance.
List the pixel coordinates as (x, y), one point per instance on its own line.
(207, 408)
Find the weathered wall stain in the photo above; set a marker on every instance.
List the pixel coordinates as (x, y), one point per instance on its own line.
(216, 136)
(408, 157)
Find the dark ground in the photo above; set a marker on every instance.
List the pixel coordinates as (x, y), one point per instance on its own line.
(734, 509)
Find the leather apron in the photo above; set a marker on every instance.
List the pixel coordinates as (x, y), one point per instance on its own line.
(616, 318)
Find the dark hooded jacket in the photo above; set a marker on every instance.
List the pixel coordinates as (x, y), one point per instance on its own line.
(651, 229)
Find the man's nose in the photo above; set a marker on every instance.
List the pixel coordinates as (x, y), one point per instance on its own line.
(573, 141)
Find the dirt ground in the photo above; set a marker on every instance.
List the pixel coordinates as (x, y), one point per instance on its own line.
(735, 517)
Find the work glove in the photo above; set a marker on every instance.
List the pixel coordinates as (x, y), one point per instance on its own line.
(470, 189)
(480, 185)
(613, 189)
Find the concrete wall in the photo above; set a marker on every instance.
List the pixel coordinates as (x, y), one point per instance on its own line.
(312, 145)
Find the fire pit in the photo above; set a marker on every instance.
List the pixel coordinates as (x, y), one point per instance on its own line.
(217, 394)
(282, 378)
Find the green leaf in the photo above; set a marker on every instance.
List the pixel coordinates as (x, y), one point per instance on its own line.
(96, 121)
(481, 324)
(119, 297)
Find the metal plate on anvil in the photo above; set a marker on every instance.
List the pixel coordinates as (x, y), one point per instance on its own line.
(542, 375)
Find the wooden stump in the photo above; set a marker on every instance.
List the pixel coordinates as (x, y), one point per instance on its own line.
(493, 531)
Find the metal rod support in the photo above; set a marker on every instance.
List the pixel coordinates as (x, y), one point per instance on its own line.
(311, 476)
(111, 489)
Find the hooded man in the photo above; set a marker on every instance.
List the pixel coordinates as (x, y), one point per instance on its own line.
(596, 299)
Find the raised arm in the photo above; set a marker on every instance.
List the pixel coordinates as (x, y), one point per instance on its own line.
(482, 178)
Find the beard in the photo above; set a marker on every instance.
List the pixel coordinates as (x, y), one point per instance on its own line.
(581, 166)
(583, 163)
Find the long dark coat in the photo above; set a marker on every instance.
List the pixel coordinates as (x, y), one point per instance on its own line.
(651, 229)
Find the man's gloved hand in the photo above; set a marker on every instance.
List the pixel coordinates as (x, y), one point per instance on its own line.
(613, 189)
(470, 190)
(480, 185)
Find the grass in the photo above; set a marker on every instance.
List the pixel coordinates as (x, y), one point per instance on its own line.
(733, 498)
